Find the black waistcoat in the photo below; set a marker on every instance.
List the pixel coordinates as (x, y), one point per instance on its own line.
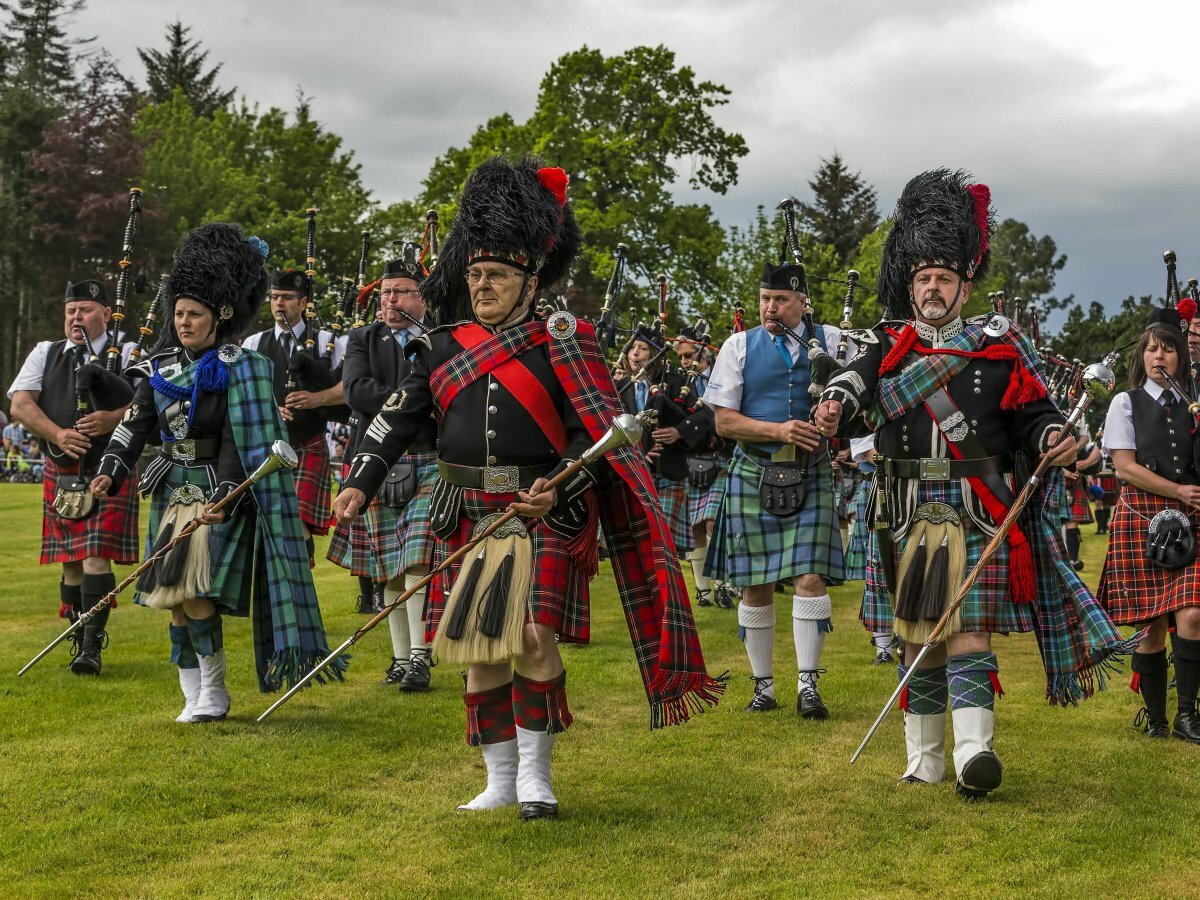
(57, 400)
(1164, 442)
(306, 423)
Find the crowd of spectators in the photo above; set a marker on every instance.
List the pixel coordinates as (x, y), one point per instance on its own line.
(20, 456)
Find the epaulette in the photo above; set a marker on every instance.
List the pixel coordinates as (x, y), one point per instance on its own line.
(862, 335)
(143, 366)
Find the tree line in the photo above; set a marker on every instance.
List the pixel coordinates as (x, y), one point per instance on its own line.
(76, 133)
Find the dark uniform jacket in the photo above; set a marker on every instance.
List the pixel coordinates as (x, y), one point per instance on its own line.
(697, 429)
(372, 370)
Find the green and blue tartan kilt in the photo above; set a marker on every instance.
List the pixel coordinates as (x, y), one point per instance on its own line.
(856, 550)
(672, 495)
(401, 539)
(230, 543)
(750, 546)
(705, 503)
(876, 612)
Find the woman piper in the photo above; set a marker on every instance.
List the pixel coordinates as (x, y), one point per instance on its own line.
(211, 402)
(1151, 573)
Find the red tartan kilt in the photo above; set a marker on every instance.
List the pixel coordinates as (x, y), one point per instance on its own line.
(313, 485)
(1081, 510)
(110, 533)
(559, 592)
(1131, 589)
(1111, 487)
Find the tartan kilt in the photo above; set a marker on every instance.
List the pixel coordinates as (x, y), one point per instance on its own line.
(705, 503)
(314, 487)
(231, 543)
(1081, 509)
(1111, 487)
(876, 612)
(401, 539)
(750, 546)
(672, 495)
(559, 588)
(350, 545)
(109, 533)
(987, 607)
(1131, 589)
(856, 550)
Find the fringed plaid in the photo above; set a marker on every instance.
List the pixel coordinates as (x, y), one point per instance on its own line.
(110, 533)
(314, 489)
(289, 637)
(1131, 589)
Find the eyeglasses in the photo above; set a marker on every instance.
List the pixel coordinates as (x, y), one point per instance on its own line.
(494, 277)
(398, 292)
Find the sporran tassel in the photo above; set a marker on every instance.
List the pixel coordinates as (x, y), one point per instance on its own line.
(912, 571)
(933, 589)
(461, 598)
(495, 602)
(186, 570)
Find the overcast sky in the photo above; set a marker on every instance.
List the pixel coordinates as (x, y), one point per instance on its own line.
(1081, 116)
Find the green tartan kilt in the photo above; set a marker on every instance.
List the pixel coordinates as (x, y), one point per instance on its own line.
(750, 546)
(230, 543)
(856, 550)
(705, 502)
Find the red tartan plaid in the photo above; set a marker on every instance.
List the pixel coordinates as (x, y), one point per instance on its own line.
(110, 533)
(1081, 510)
(559, 590)
(541, 705)
(1131, 589)
(350, 545)
(490, 716)
(314, 489)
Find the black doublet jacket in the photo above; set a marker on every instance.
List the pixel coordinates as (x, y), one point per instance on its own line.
(143, 423)
(696, 431)
(372, 370)
(485, 425)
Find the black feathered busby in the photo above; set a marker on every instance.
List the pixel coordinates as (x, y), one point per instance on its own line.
(89, 289)
(942, 221)
(218, 267)
(407, 263)
(288, 280)
(511, 212)
(786, 277)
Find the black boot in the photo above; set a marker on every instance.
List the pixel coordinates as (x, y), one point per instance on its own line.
(71, 605)
(1102, 521)
(723, 596)
(365, 603)
(1073, 548)
(1187, 680)
(1151, 669)
(416, 679)
(94, 639)
(377, 596)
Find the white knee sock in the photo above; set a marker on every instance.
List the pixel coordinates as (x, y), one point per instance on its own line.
(397, 624)
(882, 639)
(696, 558)
(758, 626)
(810, 621)
(416, 615)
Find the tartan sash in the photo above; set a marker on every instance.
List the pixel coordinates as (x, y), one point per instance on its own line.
(485, 353)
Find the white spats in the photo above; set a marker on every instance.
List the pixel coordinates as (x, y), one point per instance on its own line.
(976, 763)
(925, 740)
(758, 629)
(696, 558)
(533, 768)
(398, 623)
(501, 761)
(810, 622)
(415, 607)
(189, 683)
(212, 704)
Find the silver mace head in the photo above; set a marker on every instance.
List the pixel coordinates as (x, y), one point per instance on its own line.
(1099, 380)
(282, 457)
(625, 430)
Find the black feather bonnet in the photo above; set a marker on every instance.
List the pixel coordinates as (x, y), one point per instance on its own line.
(216, 266)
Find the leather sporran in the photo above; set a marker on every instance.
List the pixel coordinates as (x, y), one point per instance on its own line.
(1170, 541)
(72, 498)
(703, 471)
(782, 489)
(400, 486)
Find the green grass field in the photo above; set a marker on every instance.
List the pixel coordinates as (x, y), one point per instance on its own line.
(350, 789)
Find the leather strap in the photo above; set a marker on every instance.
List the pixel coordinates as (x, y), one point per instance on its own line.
(481, 478)
(944, 469)
(953, 425)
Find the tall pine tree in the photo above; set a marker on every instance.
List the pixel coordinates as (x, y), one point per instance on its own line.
(182, 66)
(843, 211)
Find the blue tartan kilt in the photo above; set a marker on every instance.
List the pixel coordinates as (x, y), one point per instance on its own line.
(401, 538)
(750, 546)
(705, 503)
(876, 614)
(856, 550)
(672, 495)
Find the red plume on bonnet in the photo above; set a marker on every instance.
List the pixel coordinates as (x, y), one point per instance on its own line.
(982, 195)
(1186, 309)
(555, 181)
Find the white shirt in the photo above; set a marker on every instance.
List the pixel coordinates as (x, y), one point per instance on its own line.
(339, 346)
(861, 448)
(1118, 424)
(30, 376)
(729, 371)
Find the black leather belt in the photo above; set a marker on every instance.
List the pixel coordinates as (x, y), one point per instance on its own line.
(765, 456)
(930, 469)
(493, 479)
(189, 450)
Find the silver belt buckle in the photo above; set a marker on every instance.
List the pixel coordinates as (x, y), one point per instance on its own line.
(935, 469)
(501, 479)
(183, 451)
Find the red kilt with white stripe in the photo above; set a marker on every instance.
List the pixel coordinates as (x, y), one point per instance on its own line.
(110, 533)
(1131, 589)
(313, 485)
(559, 589)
